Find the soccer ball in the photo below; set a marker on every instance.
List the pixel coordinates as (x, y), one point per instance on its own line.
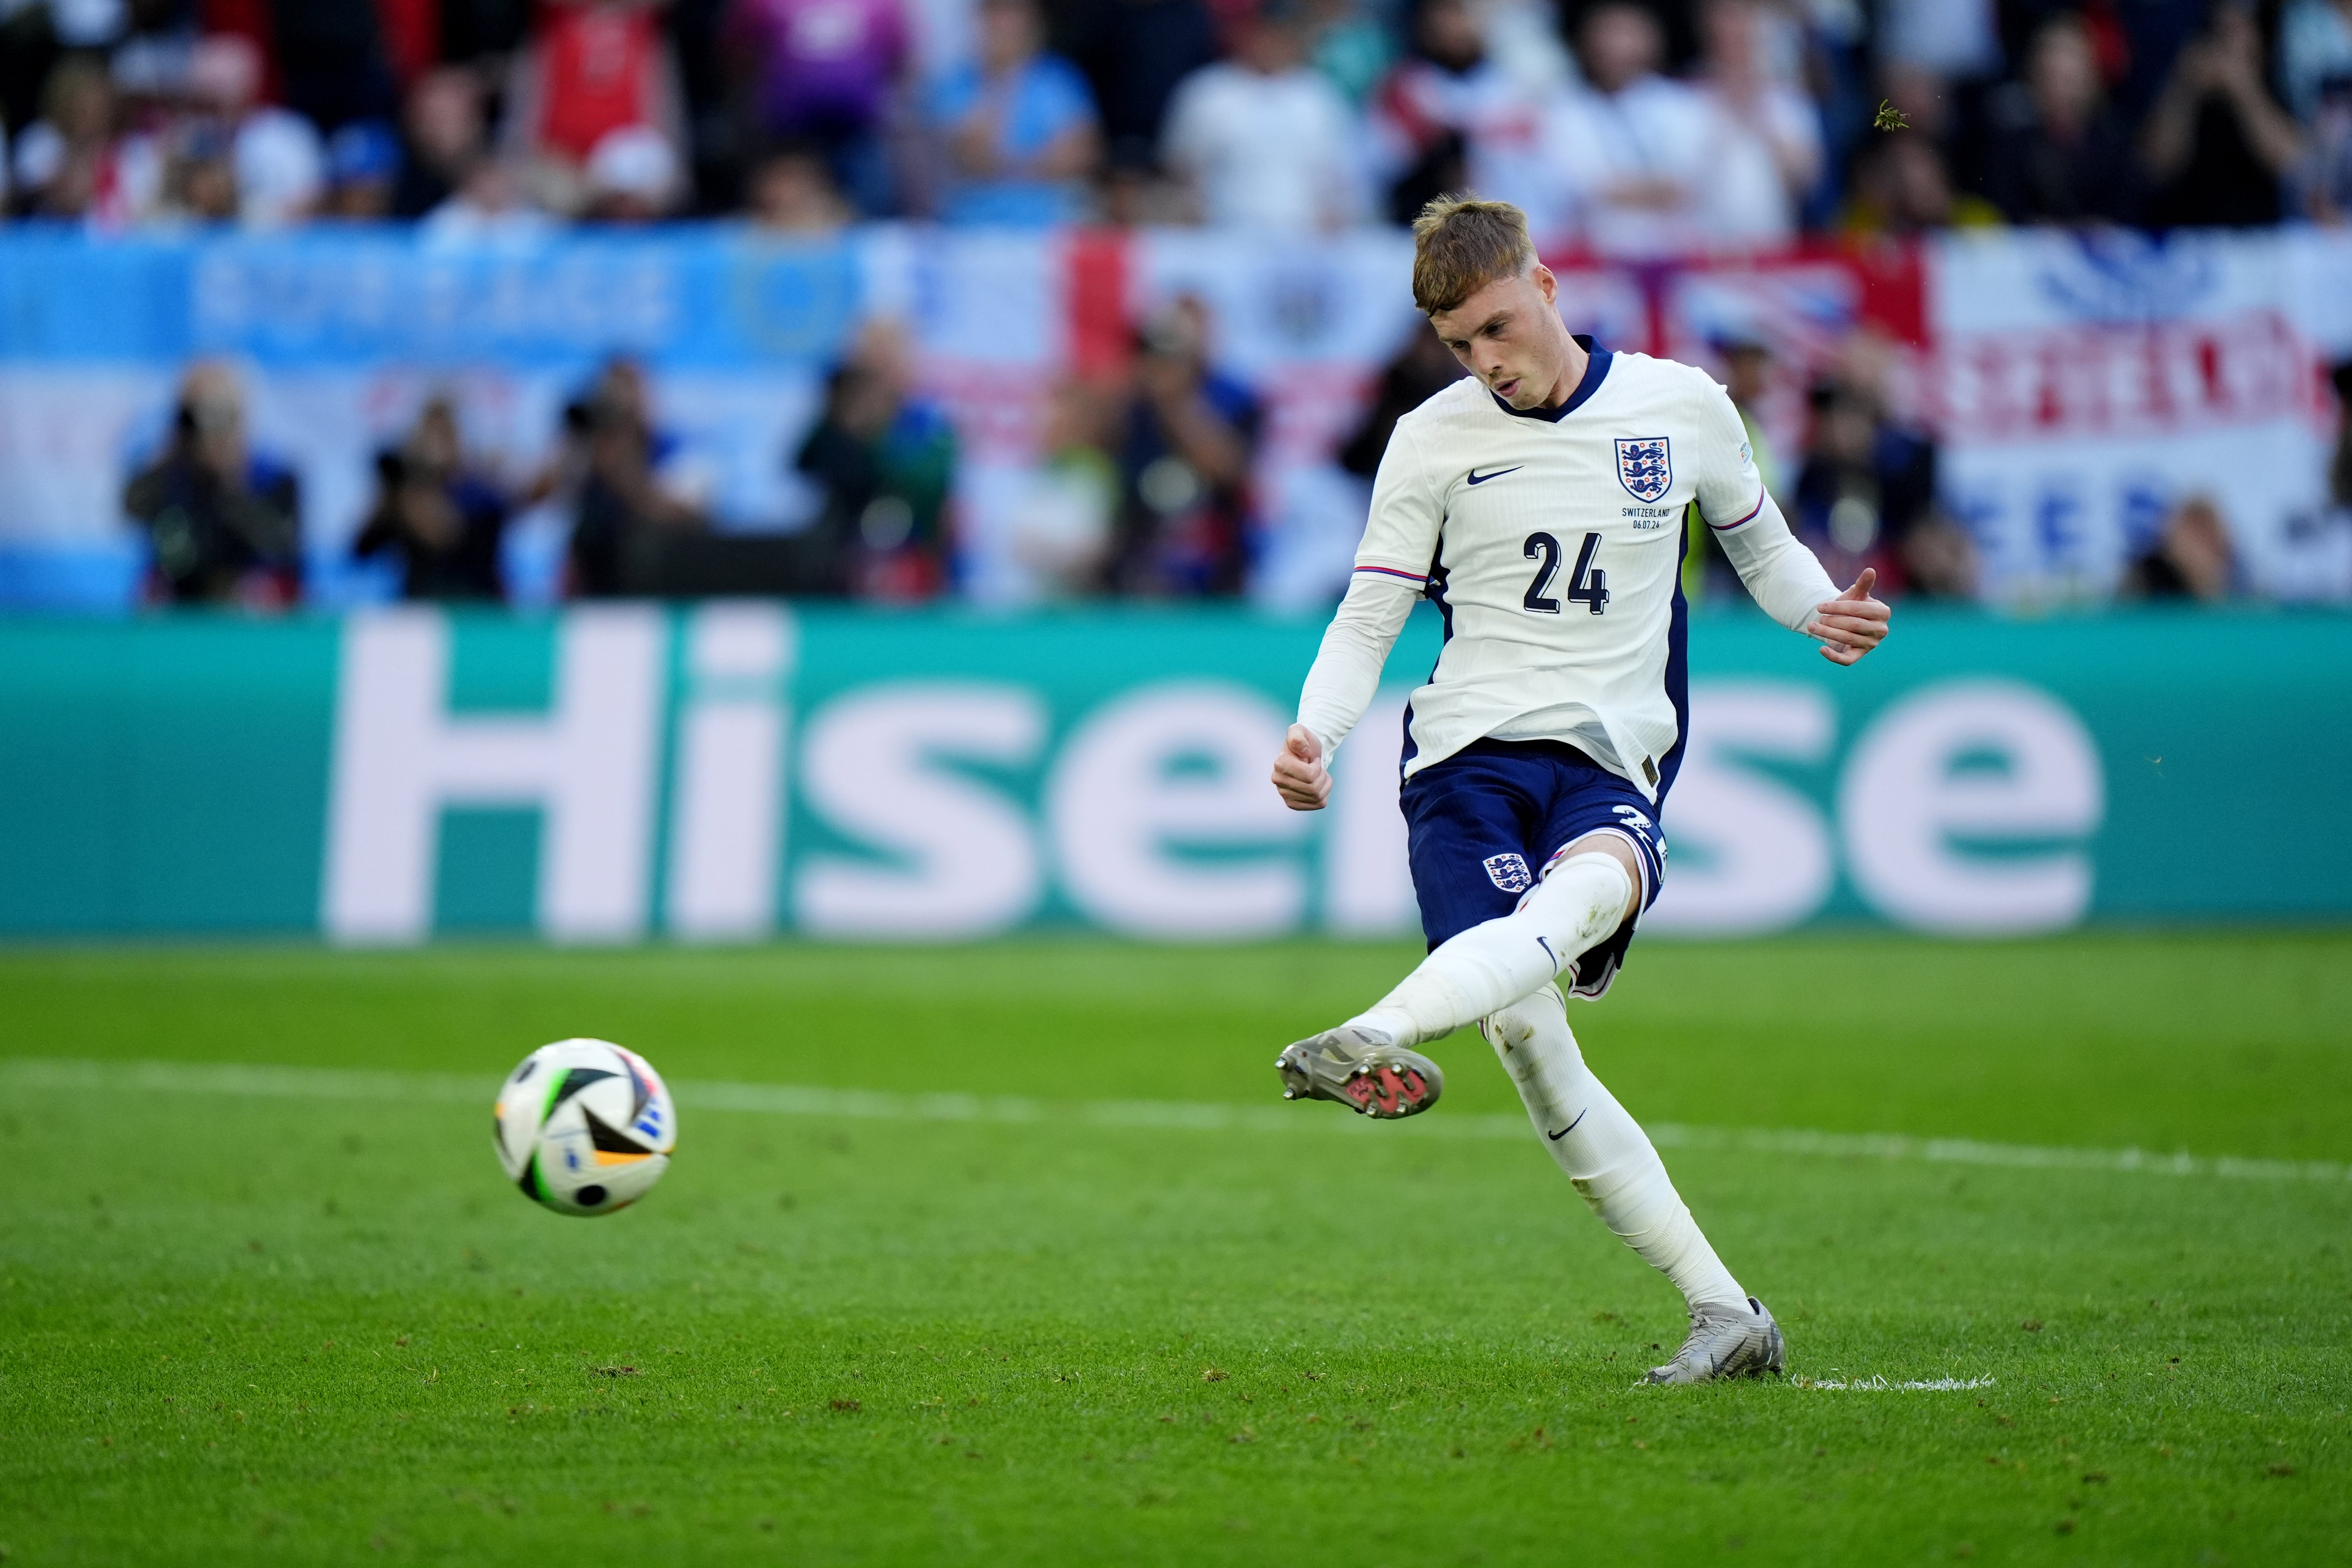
(584, 1127)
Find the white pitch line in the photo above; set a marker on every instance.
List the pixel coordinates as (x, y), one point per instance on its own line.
(1192, 1116)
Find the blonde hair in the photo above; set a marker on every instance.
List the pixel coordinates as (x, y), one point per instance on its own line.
(1461, 244)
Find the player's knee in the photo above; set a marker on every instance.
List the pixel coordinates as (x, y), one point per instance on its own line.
(1588, 894)
(1531, 1032)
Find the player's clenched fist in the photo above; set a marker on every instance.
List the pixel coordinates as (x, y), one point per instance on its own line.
(1299, 775)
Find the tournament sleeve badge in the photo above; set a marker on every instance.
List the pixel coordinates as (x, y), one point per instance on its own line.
(1644, 466)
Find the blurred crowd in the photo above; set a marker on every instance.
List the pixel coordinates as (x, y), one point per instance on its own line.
(1630, 128)
(1142, 490)
(1624, 129)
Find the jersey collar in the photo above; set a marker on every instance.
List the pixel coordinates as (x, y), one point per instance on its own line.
(1596, 368)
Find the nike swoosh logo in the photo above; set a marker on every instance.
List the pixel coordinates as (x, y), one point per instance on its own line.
(1564, 1132)
(1478, 478)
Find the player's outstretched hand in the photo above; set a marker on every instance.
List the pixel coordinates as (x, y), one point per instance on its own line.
(1299, 775)
(1852, 624)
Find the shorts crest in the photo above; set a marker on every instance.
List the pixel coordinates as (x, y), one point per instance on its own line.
(1646, 466)
(1509, 872)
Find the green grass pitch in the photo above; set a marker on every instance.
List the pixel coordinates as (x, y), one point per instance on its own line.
(251, 1328)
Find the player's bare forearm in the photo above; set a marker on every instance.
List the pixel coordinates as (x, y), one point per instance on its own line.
(1299, 775)
(1853, 624)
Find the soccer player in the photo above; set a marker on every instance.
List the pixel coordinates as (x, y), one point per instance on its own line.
(1538, 503)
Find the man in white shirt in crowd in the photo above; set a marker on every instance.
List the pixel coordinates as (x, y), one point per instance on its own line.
(1633, 150)
(1769, 154)
(280, 160)
(1538, 502)
(1263, 139)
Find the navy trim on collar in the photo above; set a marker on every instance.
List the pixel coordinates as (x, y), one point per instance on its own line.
(1596, 368)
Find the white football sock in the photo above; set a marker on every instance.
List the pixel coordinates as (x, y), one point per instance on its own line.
(1603, 1150)
(1497, 961)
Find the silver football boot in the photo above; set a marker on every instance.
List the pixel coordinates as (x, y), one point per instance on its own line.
(1726, 1341)
(1367, 1073)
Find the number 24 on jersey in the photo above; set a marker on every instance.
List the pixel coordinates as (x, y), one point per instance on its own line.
(1587, 583)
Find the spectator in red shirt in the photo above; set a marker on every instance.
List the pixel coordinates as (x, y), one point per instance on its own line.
(592, 68)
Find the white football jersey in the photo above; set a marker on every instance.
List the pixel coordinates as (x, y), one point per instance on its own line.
(1552, 543)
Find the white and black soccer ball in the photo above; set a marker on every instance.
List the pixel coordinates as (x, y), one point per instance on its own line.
(585, 1126)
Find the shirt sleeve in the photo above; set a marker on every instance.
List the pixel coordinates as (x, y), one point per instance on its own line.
(1184, 134)
(1392, 567)
(1400, 536)
(1781, 574)
(1347, 669)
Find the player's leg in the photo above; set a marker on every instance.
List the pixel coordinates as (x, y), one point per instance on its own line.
(1592, 890)
(1470, 821)
(1617, 1171)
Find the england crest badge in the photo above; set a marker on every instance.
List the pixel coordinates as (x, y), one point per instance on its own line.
(1644, 466)
(1509, 872)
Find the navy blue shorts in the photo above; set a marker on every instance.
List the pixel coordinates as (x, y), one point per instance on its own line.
(1488, 823)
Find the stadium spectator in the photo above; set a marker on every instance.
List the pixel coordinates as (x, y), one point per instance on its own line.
(595, 74)
(1263, 139)
(149, 63)
(1452, 116)
(2192, 557)
(823, 73)
(473, 31)
(1768, 155)
(885, 459)
(1353, 47)
(489, 208)
(222, 518)
(2314, 52)
(1018, 126)
(1419, 372)
(440, 518)
(278, 163)
(633, 176)
(792, 193)
(1939, 40)
(1900, 187)
(2323, 179)
(199, 186)
(1866, 493)
(2315, 563)
(2058, 153)
(619, 492)
(2217, 145)
(1635, 151)
(445, 134)
(333, 66)
(1184, 466)
(412, 37)
(363, 172)
(1133, 53)
(74, 162)
(1525, 37)
(1062, 525)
